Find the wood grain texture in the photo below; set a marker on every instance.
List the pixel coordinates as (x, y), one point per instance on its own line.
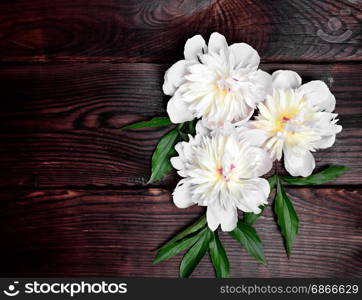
(73, 195)
(59, 122)
(115, 232)
(155, 31)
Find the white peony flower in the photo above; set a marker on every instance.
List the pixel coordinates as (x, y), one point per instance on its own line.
(295, 120)
(221, 172)
(218, 82)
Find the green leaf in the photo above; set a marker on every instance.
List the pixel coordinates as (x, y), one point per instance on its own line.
(161, 164)
(287, 217)
(272, 182)
(184, 136)
(192, 257)
(218, 256)
(154, 122)
(180, 128)
(330, 173)
(250, 218)
(172, 249)
(192, 127)
(200, 223)
(247, 236)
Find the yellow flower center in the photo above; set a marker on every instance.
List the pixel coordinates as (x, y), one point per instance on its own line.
(225, 173)
(286, 118)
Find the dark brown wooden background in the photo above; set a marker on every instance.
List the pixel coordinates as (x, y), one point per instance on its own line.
(73, 193)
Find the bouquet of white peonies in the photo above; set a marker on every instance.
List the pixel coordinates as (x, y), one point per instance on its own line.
(233, 121)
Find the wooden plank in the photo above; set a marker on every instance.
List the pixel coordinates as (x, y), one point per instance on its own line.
(59, 122)
(155, 31)
(114, 232)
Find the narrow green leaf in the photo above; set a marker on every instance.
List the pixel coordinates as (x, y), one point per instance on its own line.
(200, 223)
(180, 128)
(192, 127)
(184, 136)
(272, 182)
(249, 217)
(192, 257)
(330, 173)
(218, 256)
(154, 122)
(247, 236)
(161, 164)
(174, 248)
(287, 217)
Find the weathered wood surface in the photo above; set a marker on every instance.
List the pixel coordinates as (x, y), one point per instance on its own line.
(155, 31)
(73, 198)
(59, 123)
(115, 232)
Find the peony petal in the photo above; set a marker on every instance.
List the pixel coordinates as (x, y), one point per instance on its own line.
(216, 215)
(229, 220)
(263, 82)
(244, 56)
(252, 101)
(285, 79)
(177, 163)
(248, 113)
(217, 42)
(298, 162)
(212, 218)
(263, 162)
(263, 79)
(187, 150)
(168, 88)
(201, 128)
(254, 137)
(194, 46)
(326, 142)
(317, 93)
(182, 196)
(177, 110)
(174, 77)
(262, 185)
(255, 193)
(331, 103)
